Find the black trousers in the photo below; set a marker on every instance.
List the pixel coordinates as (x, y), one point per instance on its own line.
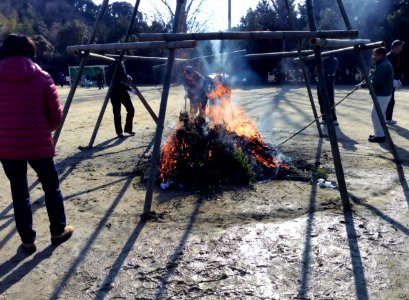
(389, 109)
(16, 172)
(118, 98)
(330, 88)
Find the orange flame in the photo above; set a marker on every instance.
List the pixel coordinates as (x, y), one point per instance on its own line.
(168, 161)
(222, 111)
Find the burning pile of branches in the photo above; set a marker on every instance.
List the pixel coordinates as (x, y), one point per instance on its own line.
(225, 149)
(200, 155)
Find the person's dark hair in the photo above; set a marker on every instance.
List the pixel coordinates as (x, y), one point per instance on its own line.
(397, 43)
(380, 50)
(188, 69)
(18, 45)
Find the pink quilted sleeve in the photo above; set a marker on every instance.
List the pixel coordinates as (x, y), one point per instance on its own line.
(54, 111)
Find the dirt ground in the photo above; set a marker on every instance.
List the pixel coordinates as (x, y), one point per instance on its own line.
(275, 240)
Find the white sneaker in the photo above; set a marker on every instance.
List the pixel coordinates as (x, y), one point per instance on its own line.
(391, 122)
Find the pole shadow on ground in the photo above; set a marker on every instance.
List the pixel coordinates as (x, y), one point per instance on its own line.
(173, 262)
(356, 259)
(116, 267)
(399, 226)
(274, 106)
(83, 252)
(304, 281)
(361, 288)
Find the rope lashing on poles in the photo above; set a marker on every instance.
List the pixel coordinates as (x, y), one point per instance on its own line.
(319, 117)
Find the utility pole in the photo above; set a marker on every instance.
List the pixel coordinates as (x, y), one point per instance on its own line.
(229, 15)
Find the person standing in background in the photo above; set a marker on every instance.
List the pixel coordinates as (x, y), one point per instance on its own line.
(120, 96)
(30, 110)
(382, 81)
(100, 80)
(194, 84)
(394, 57)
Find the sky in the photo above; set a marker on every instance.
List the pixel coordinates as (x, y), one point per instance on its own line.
(217, 9)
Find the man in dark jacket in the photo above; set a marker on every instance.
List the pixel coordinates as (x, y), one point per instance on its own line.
(382, 81)
(119, 95)
(394, 57)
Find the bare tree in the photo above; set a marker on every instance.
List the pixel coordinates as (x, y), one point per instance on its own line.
(191, 21)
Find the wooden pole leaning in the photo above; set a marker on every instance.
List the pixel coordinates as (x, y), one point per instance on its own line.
(371, 88)
(108, 95)
(328, 116)
(145, 103)
(77, 77)
(304, 71)
(180, 5)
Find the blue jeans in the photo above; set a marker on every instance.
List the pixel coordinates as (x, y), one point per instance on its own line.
(16, 172)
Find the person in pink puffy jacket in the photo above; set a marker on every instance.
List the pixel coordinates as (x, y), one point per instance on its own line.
(29, 111)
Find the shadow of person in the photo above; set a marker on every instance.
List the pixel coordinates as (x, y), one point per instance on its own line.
(16, 274)
(403, 132)
(346, 142)
(404, 161)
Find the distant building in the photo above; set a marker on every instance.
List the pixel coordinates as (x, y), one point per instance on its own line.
(88, 75)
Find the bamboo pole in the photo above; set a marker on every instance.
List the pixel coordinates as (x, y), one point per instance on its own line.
(335, 43)
(344, 14)
(146, 58)
(130, 46)
(299, 52)
(180, 5)
(77, 77)
(342, 50)
(357, 265)
(328, 116)
(108, 95)
(165, 59)
(254, 56)
(95, 56)
(246, 35)
(371, 88)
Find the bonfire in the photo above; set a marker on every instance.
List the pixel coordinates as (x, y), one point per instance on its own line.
(225, 148)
